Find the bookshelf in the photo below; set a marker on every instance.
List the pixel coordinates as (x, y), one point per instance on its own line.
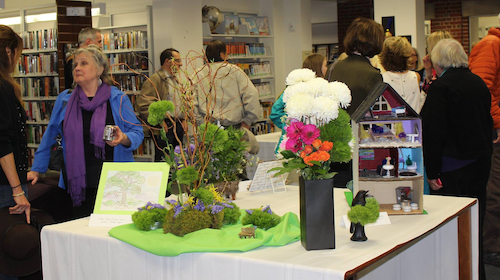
(252, 49)
(127, 39)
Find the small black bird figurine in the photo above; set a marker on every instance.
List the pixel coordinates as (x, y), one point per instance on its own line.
(359, 199)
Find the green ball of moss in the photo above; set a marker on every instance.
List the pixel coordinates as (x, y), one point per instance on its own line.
(187, 221)
(145, 219)
(231, 215)
(261, 219)
(364, 214)
(204, 195)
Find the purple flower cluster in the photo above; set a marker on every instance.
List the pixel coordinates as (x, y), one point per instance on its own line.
(217, 208)
(178, 209)
(188, 150)
(227, 205)
(267, 209)
(199, 206)
(151, 206)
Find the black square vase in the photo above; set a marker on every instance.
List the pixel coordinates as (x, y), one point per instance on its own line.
(317, 224)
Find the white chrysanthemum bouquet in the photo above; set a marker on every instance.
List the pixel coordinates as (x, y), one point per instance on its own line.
(318, 130)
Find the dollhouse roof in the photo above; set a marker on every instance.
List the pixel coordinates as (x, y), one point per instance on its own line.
(363, 112)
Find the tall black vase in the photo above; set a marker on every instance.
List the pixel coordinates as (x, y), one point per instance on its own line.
(359, 233)
(317, 224)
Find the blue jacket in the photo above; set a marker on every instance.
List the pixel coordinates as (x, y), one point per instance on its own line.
(277, 112)
(121, 153)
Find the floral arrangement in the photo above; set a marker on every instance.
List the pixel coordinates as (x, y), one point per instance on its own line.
(149, 216)
(262, 218)
(318, 130)
(366, 214)
(205, 208)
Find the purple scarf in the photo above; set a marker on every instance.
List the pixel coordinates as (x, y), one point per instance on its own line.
(73, 135)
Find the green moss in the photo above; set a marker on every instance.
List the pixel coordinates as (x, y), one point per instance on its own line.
(364, 214)
(204, 195)
(231, 215)
(187, 175)
(187, 221)
(157, 111)
(261, 219)
(145, 219)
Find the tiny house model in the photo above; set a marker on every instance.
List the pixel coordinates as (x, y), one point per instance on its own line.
(388, 151)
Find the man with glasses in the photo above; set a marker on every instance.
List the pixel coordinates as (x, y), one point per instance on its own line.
(166, 81)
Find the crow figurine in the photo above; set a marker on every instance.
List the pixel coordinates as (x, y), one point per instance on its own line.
(360, 199)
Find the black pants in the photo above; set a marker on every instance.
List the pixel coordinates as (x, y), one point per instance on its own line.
(469, 181)
(170, 137)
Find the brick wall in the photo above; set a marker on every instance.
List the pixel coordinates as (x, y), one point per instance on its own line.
(347, 11)
(448, 16)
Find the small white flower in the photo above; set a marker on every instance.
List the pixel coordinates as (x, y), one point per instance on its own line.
(300, 75)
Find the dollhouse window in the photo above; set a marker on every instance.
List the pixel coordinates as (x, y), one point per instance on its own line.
(381, 104)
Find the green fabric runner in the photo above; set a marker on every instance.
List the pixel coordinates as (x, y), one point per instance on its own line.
(209, 240)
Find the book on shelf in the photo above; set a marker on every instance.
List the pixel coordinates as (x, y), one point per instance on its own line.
(256, 69)
(43, 63)
(264, 90)
(232, 24)
(39, 86)
(250, 23)
(40, 39)
(133, 60)
(125, 40)
(262, 25)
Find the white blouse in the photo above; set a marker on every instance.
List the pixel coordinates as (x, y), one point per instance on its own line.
(406, 85)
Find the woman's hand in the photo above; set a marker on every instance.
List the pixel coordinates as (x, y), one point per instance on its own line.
(33, 177)
(120, 138)
(23, 205)
(435, 184)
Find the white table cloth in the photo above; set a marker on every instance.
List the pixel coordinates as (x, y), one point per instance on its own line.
(412, 247)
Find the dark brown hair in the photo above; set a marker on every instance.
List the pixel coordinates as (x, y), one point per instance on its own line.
(314, 62)
(396, 54)
(214, 48)
(10, 40)
(364, 36)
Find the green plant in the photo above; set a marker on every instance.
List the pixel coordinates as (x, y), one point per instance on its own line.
(364, 214)
(231, 215)
(262, 218)
(148, 216)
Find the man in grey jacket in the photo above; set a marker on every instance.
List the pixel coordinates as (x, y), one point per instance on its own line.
(167, 83)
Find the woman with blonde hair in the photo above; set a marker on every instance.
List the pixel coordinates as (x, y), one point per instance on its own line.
(432, 40)
(13, 144)
(80, 117)
(396, 59)
(317, 63)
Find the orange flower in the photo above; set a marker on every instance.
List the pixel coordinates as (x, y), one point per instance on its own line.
(303, 154)
(326, 146)
(323, 155)
(312, 157)
(316, 143)
(308, 149)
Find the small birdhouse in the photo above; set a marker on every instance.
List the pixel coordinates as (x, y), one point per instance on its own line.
(387, 131)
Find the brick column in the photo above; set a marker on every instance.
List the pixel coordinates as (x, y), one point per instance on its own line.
(347, 11)
(448, 16)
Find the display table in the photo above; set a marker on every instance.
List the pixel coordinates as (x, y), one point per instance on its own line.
(412, 247)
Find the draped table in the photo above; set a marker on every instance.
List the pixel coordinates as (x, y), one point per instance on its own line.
(440, 245)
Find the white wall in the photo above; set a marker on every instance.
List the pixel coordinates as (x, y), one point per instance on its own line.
(409, 18)
(324, 22)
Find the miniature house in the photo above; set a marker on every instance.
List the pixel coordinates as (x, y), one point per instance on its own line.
(388, 150)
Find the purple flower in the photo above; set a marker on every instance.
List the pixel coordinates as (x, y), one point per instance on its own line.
(249, 211)
(267, 209)
(177, 210)
(177, 149)
(199, 206)
(217, 208)
(227, 205)
(171, 201)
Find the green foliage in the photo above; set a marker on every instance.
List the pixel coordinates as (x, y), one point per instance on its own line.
(261, 219)
(231, 215)
(145, 219)
(364, 214)
(229, 159)
(157, 111)
(339, 132)
(187, 175)
(203, 194)
(218, 220)
(214, 135)
(186, 222)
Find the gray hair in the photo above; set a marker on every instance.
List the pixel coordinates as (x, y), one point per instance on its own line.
(448, 53)
(87, 33)
(99, 58)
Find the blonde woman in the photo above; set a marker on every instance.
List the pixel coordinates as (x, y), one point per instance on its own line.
(396, 59)
(432, 40)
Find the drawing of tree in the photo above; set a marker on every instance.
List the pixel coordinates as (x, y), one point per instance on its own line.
(127, 181)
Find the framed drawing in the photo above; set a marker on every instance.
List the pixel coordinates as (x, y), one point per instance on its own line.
(232, 24)
(126, 186)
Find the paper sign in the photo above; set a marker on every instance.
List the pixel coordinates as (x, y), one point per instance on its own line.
(104, 220)
(124, 187)
(263, 179)
(383, 219)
